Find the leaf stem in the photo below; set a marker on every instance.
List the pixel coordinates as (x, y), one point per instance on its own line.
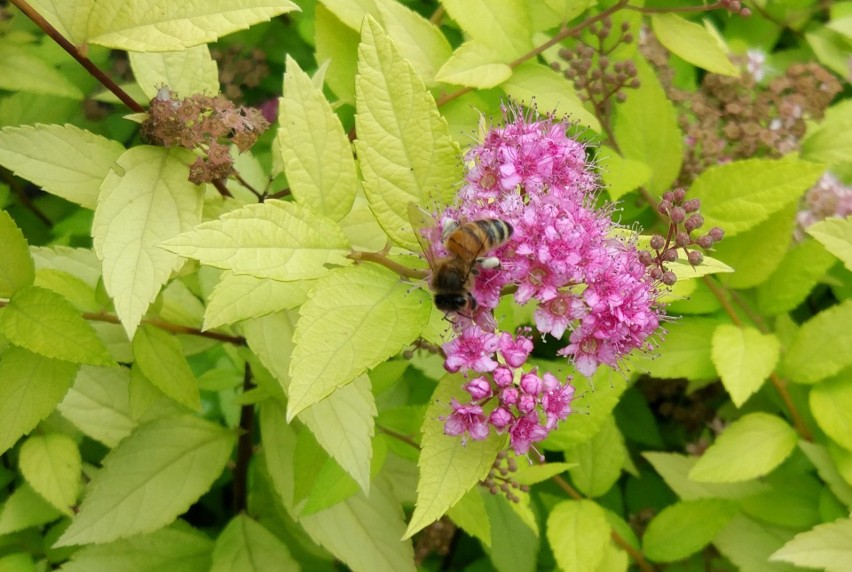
(77, 54)
(681, 9)
(245, 446)
(163, 325)
(380, 258)
(25, 200)
(398, 436)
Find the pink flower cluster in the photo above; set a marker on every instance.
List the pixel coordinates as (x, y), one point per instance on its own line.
(563, 253)
(829, 197)
(525, 405)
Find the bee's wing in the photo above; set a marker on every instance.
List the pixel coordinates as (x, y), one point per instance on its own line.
(420, 220)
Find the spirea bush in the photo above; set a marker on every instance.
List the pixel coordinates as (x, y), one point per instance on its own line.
(222, 229)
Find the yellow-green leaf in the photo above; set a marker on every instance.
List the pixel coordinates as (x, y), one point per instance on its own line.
(160, 550)
(827, 546)
(550, 91)
(46, 323)
(405, 149)
(578, 532)
(23, 70)
(621, 175)
(474, 65)
(504, 27)
(25, 508)
(185, 72)
(316, 153)
(30, 388)
(145, 200)
(247, 546)
(98, 404)
(153, 476)
(154, 26)
(17, 269)
(241, 297)
(831, 403)
(354, 319)
(744, 359)
(822, 346)
(159, 356)
(750, 447)
(449, 466)
(52, 466)
(69, 18)
(64, 160)
(835, 234)
(276, 239)
(686, 527)
(693, 43)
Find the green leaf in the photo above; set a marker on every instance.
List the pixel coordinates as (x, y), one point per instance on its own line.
(646, 129)
(23, 70)
(693, 43)
(186, 72)
(79, 262)
(419, 41)
(316, 153)
(99, 404)
(449, 467)
(797, 274)
(744, 359)
(159, 356)
(275, 239)
(750, 447)
(17, 269)
(73, 289)
(675, 468)
(17, 562)
(595, 398)
(598, 461)
(577, 532)
(748, 544)
(279, 444)
(354, 319)
(404, 146)
(684, 528)
(819, 457)
(757, 252)
(30, 388)
(145, 200)
(822, 346)
(470, 515)
(52, 466)
(364, 531)
(514, 545)
(64, 160)
(247, 546)
(831, 143)
(176, 548)
(69, 18)
(474, 64)
(831, 404)
(153, 476)
(551, 91)
(343, 423)
(25, 508)
(740, 195)
(505, 28)
(683, 353)
(532, 474)
(241, 297)
(46, 323)
(835, 234)
(827, 546)
(621, 175)
(337, 45)
(149, 26)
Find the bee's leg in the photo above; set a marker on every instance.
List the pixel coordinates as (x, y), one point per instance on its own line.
(490, 262)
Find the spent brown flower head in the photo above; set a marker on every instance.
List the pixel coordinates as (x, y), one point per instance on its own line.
(205, 124)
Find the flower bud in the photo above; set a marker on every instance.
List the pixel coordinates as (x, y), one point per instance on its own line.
(716, 234)
(657, 242)
(668, 278)
(705, 241)
(669, 255)
(692, 205)
(682, 239)
(478, 388)
(677, 215)
(502, 376)
(509, 396)
(693, 222)
(679, 195)
(695, 258)
(500, 418)
(531, 383)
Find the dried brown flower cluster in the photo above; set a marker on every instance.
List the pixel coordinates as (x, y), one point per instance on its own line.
(589, 67)
(731, 118)
(499, 479)
(684, 220)
(437, 538)
(206, 124)
(829, 197)
(240, 69)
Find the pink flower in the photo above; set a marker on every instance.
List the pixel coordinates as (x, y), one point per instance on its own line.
(473, 349)
(556, 401)
(466, 419)
(525, 432)
(478, 388)
(500, 418)
(515, 350)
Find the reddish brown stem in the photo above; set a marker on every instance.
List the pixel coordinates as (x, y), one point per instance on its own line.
(245, 446)
(96, 72)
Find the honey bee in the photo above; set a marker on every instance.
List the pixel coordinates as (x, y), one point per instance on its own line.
(467, 245)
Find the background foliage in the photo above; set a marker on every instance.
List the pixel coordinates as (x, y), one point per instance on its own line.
(201, 373)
